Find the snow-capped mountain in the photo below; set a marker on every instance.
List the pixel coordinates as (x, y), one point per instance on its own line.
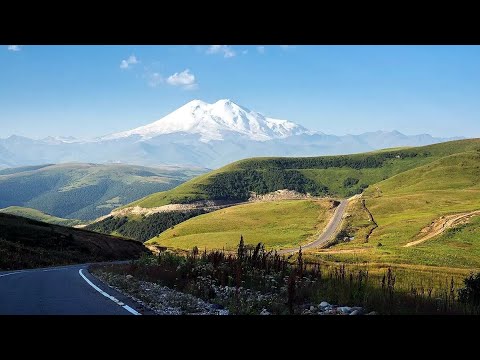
(212, 121)
(201, 134)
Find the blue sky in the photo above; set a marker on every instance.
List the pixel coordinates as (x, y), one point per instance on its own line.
(95, 90)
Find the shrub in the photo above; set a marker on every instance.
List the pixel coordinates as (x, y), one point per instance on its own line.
(470, 293)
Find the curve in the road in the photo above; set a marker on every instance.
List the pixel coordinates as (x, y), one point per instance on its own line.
(329, 231)
(66, 290)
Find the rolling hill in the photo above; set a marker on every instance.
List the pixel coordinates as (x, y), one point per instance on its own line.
(277, 224)
(409, 188)
(408, 206)
(39, 216)
(85, 191)
(26, 243)
(341, 176)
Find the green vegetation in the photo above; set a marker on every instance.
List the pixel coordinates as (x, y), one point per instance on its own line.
(412, 188)
(84, 191)
(405, 204)
(254, 280)
(317, 175)
(279, 224)
(142, 228)
(38, 215)
(26, 243)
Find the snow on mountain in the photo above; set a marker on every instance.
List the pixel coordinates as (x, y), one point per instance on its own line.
(55, 140)
(212, 121)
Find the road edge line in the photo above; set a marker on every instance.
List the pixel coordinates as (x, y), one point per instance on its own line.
(115, 300)
(13, 273)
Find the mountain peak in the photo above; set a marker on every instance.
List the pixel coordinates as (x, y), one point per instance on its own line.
(214, 121)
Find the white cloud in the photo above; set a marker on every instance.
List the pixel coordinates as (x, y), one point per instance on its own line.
(287, 47)
(261, 49)
(226, 50)
(185, 79)
(14, 47)
(155, 79)
(132, 60)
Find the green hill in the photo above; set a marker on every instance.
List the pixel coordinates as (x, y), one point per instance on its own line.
(38, 215)
(421, 186)
(26, 243)
(340, 176)
(407, 203)
(277, 224)
(85, 191)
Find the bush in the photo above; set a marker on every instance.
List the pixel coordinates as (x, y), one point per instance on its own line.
(348, 182)
(470, 294)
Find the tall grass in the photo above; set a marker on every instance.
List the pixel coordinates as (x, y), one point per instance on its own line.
(288, 287)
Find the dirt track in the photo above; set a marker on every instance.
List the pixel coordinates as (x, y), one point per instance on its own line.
(441, 224)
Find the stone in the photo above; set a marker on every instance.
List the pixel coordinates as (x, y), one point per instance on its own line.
(264, 312)
(372, 313)
(312, 308)
(355, 312)
(323, 304)
(129, 277)
(345, 309)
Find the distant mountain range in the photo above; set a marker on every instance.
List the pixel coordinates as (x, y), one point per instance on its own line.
(201, 134)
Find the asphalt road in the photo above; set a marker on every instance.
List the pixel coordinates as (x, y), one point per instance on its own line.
(59, 291)
(329, 231)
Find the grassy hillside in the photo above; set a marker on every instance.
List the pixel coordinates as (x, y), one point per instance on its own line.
(84, 191)
(38, 215)
(26, 243)
(421, 186)
(341, 176)
(142, 228)
(277, 224)
(407, 203)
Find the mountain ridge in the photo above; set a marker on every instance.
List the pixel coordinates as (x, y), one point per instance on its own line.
(210, 120)
(204, 135)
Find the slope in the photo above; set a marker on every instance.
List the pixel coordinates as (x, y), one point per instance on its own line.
(26, 243)
(405, 205)
(277, 224)
(39, 216)
(343, 175)
(84, 191)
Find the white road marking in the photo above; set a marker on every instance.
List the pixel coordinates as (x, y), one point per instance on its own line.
(13, 273)
(115, 300)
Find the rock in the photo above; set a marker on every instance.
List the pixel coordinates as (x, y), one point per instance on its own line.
(129, 277)
(218, 307)
(264, 312)
(355, 312)
(323, 304)
(312, 308)
(345, 309)
(372, 313)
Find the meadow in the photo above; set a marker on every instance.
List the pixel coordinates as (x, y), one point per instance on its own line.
(277, 224)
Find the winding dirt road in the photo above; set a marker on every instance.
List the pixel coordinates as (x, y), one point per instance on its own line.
(442, 224)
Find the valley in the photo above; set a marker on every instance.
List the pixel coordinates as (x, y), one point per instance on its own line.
(82, 191)
(399, 193)
(410, 212)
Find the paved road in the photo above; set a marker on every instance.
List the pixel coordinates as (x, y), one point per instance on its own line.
(59, 291)
(329, 231)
